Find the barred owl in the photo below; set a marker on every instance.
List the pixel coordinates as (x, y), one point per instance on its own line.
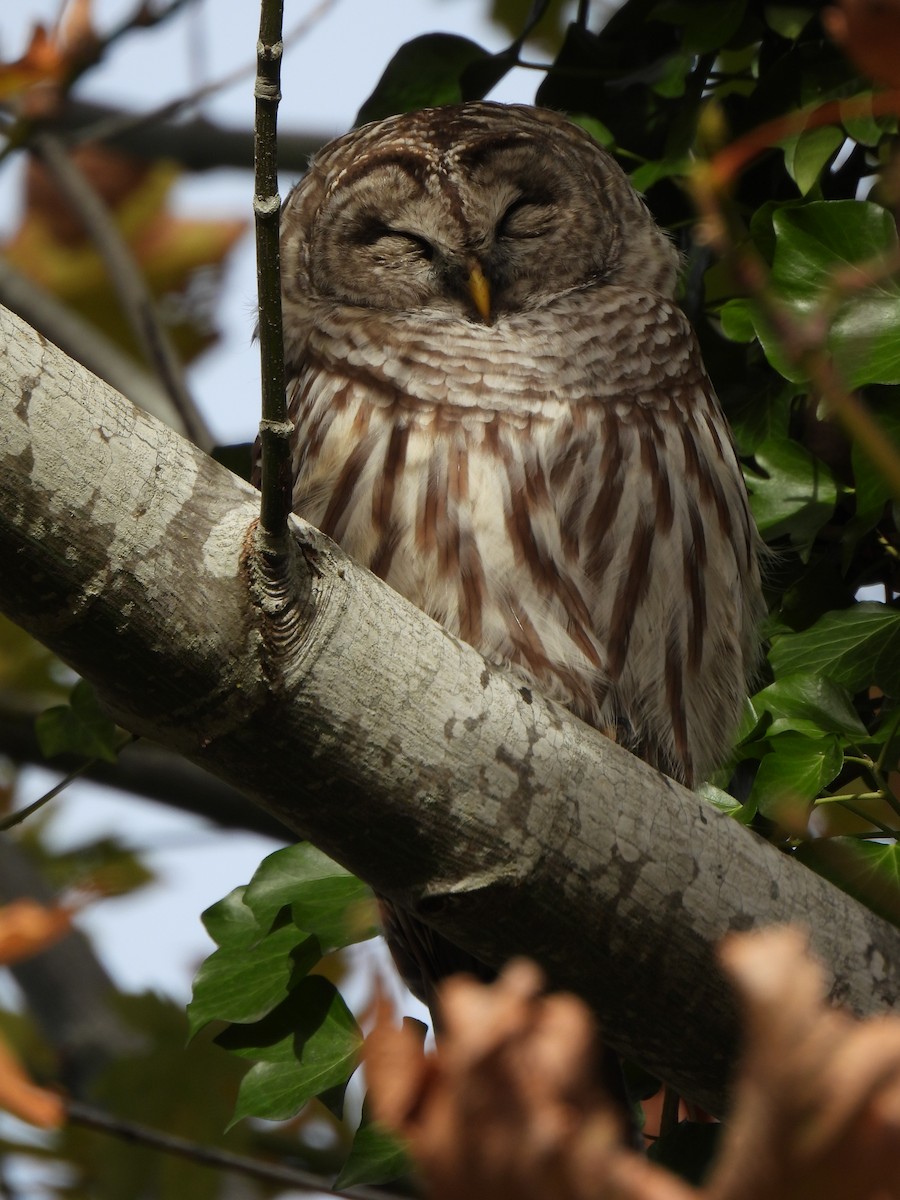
(501, 411)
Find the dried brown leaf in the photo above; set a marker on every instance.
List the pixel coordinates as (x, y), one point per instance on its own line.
(180, 259)
(42, 63)
(22, 1098)
(509, 1106)
(817, 1102)
(27, 927)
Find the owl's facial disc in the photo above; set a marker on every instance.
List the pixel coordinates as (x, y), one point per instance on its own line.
(473, 234)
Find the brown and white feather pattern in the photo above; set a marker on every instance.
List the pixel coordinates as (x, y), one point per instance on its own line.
(500, 410)
(583, 524)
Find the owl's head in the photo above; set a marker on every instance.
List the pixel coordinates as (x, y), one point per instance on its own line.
(475, 209)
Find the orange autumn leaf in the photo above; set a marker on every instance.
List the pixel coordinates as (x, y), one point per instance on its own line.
(508, 1107)
(24, 1099)
(75, 31)
(41, 63)
(35, 82)
(176, 255)
(817, 1099)
(27, 927)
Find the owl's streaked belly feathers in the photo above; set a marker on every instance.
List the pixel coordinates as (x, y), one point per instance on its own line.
(558, 489)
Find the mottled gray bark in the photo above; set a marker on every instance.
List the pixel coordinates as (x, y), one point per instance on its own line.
(493, 813)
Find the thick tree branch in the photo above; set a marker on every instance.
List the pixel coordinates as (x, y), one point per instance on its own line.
(493, 813)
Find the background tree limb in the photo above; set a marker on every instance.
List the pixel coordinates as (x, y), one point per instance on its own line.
(198, 144)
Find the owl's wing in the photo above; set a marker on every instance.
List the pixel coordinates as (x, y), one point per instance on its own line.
(653, 505)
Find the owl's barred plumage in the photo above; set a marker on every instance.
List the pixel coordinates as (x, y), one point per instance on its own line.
(540, 463)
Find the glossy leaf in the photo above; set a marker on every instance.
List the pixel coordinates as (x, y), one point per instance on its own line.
(872, 492)
(869, 871)
(856, 648)
(309, 1044)
(792, 493)
(79, 727)
(230, 922)
(424, 72)
(806, 155)
(704, 25)
(794, 773)
(738, 320)
(324, 898)
(814, 243)
(722, 800)
(244, 983)
(811, 698)
(375, 1157)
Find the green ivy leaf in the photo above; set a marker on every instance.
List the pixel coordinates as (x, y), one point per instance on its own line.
(800, 699)
(79, 727)
(722, 800)
(309, 1044)
(244, 983)
(856, 648)
(872, 492)
(792, 493)
(788, 20)
(806, 155)
(869, 871)
(812, 243)
(376, 1156)
(738, 320)
(324, 898)
(868, 130)
(704, 25)
(598, 131)
(647, 174)
(104, 864)
(230, 922)
(424, 72)
(794, 772)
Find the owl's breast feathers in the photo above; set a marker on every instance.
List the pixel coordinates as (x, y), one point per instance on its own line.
(559, 489)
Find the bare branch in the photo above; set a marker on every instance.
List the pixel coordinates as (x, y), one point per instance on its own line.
(209, 1156)
(151, 772)
(274, 427)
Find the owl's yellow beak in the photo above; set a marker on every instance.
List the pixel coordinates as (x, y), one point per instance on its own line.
(480, 291)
